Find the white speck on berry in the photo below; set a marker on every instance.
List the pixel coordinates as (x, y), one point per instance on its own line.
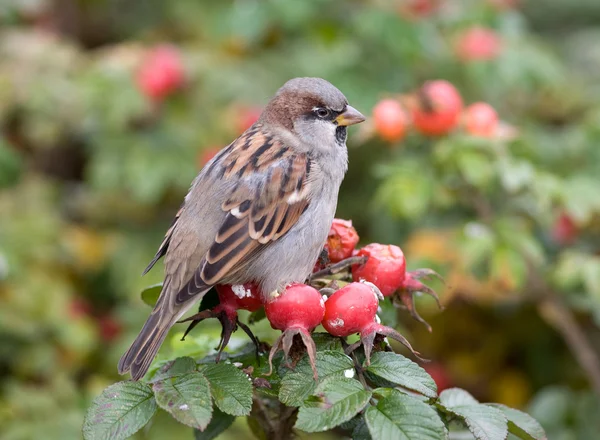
(338, 322)
(240, 291)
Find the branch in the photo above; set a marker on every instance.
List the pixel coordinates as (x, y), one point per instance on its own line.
(558, 315)
(554, 311)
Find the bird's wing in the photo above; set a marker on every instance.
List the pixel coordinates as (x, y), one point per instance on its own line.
(270, 192)
(162, 249)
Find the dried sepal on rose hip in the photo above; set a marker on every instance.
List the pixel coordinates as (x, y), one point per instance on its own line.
(231, 299)
(296, 312)
(412, 285)
(353, 309)
(341, 241)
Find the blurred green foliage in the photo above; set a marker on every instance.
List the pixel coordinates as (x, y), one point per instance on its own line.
(91, 173)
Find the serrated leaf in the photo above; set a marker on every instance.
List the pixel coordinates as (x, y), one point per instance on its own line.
(120, 411)
(402, 417)
(326, 342)
(151, 293)
(521, 424)
(484, 422)
(218, 424)
(231, 388)
(339, 400)
(401, 371)
(298, 384)
(177, 367)
(186, 398)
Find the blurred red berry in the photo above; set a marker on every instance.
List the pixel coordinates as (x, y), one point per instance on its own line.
(564, 231)
(391, 120)
(109, 327)
(246, 117)
(341, 241)
(385, 267)
(161, 72)
(481, 119)
(206, 155)
(478, 43)
(79, 308)
(419, 8)
(439, 375)
(438, 109)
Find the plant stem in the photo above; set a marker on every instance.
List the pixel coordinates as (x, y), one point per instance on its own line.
(558, 315)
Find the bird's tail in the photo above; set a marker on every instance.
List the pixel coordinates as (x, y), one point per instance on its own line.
(139, 356)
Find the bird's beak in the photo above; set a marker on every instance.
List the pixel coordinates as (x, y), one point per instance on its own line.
(350, 116)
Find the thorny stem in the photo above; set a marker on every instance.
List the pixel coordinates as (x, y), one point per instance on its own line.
(338, 267)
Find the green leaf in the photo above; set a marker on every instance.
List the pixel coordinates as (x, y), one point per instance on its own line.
(120, 411)
(325, 342)
(151, 293)
(186, 398)
(521, 424)
(484, 422)
(338, 401)
(298, 384)
(178, 367)
(231, 388)
(257, 316)
(401, 371)
(403, 417)
(218, 424)
(361, 431)
(475, 167)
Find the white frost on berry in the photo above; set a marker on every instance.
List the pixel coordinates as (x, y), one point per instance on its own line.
(338, 322)
(349, 373)
(240, 291)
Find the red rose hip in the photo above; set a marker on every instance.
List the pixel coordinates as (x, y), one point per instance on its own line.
(385, 267)
(161, 73)
(341, 241)
(391, 120)
(481, 119)
(353, 309)
(438, 109)
(478, 43)
(296, 311)
(350, 309)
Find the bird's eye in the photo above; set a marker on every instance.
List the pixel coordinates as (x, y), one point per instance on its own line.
(322, 112)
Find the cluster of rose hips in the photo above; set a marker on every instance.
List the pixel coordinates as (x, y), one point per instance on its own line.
(435, 109)
(343, 295)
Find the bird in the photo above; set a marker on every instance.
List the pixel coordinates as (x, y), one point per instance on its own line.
(259, 211)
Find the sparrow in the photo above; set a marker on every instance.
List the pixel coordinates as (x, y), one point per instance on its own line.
(259, 211)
